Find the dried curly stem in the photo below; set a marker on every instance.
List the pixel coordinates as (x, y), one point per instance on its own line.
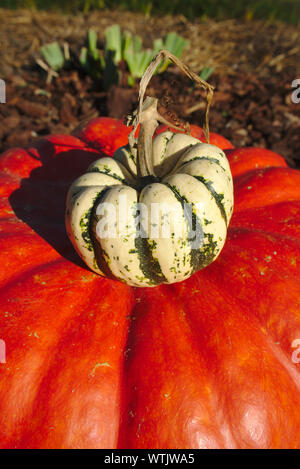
(148, 117)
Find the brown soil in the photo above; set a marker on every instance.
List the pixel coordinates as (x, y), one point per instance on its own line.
(255, 64)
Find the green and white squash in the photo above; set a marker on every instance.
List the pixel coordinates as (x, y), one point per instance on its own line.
(156, 212)
(187, 172)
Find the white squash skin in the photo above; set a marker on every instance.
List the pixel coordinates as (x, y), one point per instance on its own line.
(203, 150)
(214, 175)
(112, 168)
(173, 251)
(120, 250)
(127, 158)
(168, 148)
(182, 159)
(78, 207)
(90, 180)
(205, 207)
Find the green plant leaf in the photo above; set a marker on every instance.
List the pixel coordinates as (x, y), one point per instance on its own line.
(126, 43)
(138, 62)
(53, 55)
(206, 73)
(137, 44)
(90, 58)
(131, 81)
(114, 42)
(158, 44)
(92, 44)
(137, 59)
(174, 44)
(83, 57)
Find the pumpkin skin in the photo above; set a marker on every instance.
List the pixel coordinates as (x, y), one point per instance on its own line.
(190, 176)
(94, 363)
(197, 132)
(95, 131)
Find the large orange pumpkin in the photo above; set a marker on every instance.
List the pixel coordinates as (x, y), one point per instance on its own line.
(93, 363)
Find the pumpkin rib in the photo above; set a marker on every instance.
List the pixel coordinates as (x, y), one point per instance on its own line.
(197, 132)
(279, 236)
(164, 385)
(18, 163)
(8, 185)
(145, 347)
(243, 329)
(243, 160)
(59, 333)
(258, 280)
(215, 396)
(283, 217)
(42, 254)
(12, 225)
(250, 193)
(32, 270)
(104, 133)
(282, 357)
(85, 372)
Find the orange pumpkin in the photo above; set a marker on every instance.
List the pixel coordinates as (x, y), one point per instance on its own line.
(92, 363)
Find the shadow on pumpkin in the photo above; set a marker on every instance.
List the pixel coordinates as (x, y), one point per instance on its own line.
(40, 200)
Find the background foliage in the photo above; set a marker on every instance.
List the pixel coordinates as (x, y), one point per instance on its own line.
(284, 10)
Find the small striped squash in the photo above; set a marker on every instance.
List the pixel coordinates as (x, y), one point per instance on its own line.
(159, 229)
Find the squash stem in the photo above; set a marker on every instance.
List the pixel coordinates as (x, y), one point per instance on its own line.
(148, 117)
(148, 124)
